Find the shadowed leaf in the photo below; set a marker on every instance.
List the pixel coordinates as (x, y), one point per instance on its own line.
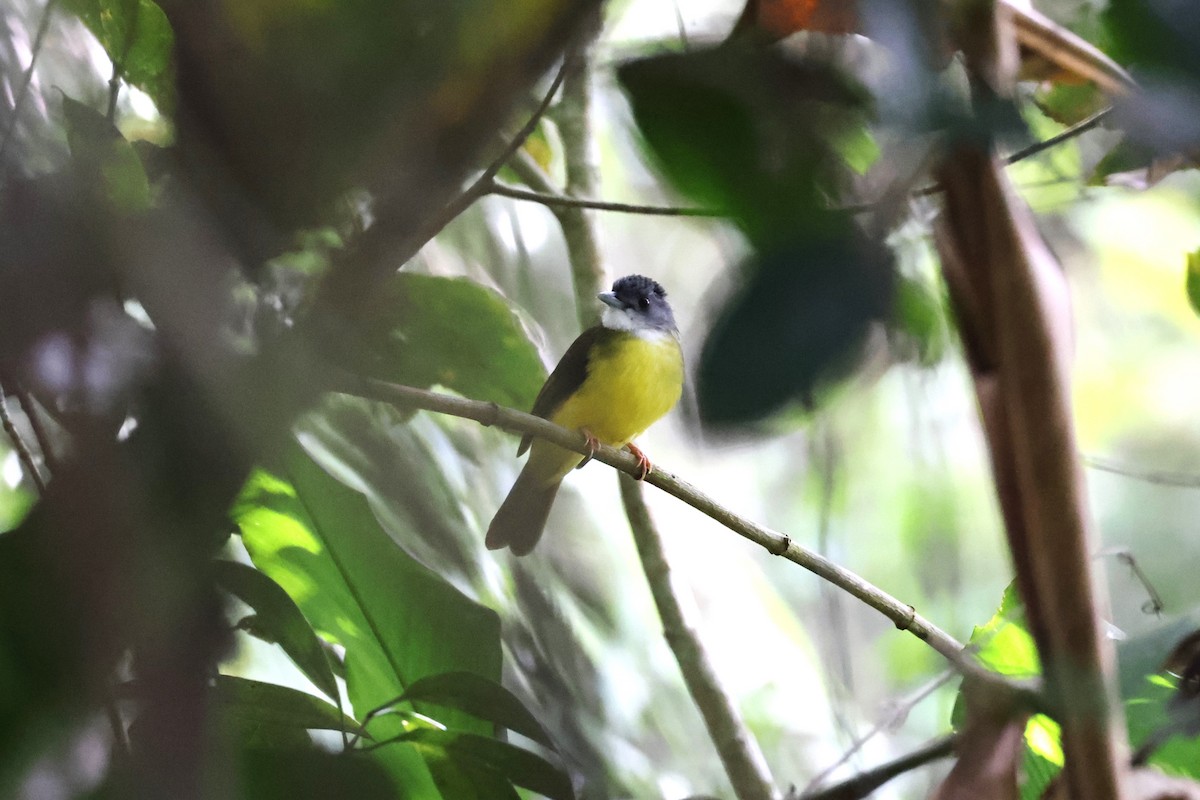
(279, 617)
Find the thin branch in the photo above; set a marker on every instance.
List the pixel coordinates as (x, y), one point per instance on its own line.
(893, 718)
(866, 782)
(23, 452)
(483, 184)
(1154, 603)
(1186, 480)
(35, 423)
(553, 199)
(1081, 127)
(574, 118)
(743, 760)
(38, 39)
(562, 201)
(903, 615)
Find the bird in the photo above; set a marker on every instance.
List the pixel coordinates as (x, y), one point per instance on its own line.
(615, 380)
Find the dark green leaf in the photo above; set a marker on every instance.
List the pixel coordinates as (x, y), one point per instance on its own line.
(479, 697)
(1193, 280)
(108, 164)
(798, 325)
(398, 621)
(255, 701)
(470, 340)
(137, 37)
(520, 766)
(289, 775)
(749, 130)
(278, 616)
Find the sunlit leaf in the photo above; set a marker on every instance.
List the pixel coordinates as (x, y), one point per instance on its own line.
(279, 617)
(137, 37)
(470, 340)
(398, 621)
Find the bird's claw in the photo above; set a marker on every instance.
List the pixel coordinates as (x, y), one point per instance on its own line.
(643, 463)
(593, 445)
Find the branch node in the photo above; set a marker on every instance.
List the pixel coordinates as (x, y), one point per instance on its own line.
(904, 623)
(785, 542)
(493, 415)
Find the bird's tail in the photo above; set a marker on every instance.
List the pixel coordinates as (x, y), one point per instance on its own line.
(522, 516)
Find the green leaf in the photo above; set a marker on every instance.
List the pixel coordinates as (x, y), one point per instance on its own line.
(137, 37)
(291, 775)
(479, 697)
(453, 332)
(280, 618)
(751, 131)
(520, 766)
(798, 325)
(921, 317)
(1005, 645)
(247, 700)
(399, 622)
(107, 162)
(1193, 280)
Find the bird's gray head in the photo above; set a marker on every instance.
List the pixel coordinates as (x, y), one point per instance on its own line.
(639, 305)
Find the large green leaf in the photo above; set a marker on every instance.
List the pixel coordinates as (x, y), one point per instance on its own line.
(279, 618)
(470, 338)
(137, 37)
(398, 621)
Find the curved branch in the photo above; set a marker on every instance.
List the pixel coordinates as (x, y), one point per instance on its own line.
(743, 760)
(903, 615)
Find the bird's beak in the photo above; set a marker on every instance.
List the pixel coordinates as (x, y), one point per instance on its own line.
(610, 299)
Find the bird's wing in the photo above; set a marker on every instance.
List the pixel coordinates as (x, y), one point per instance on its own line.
(566, 378)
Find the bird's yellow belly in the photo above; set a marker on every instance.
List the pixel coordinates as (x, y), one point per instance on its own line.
(631, 383)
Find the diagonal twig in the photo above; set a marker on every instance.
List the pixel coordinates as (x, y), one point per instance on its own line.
(904, 616)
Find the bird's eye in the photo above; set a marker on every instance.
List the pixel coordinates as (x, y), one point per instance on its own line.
(644, 303)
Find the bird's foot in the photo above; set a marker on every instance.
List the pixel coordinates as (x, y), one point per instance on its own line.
(593, 445)
(643, 464)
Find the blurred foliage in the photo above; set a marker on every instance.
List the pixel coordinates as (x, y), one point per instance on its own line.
(163, 315)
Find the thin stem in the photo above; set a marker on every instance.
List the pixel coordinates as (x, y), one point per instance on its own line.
(22, 449)
(867, 782)
(903, 615)
(562, 201)
(743, 760)
(38, 39)
(574, 118)
(1186, 480)
(895, 717)
(1081, 127)
(482, 185)
(35, 423)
